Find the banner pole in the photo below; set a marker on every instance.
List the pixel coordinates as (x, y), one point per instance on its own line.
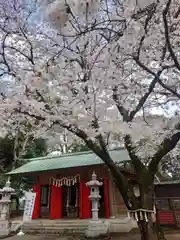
(28, 210)
(21, 233)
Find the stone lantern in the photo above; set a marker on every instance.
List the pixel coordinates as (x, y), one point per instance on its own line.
(5, 208)
(94, 185)
(96, 228)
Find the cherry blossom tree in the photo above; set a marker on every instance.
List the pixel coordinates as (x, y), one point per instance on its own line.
(98, 68)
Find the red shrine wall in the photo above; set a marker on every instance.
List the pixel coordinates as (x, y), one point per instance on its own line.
(113, 202)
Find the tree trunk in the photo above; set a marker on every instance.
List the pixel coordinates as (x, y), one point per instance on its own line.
(147, 230)
(158, 228)
(150, 231)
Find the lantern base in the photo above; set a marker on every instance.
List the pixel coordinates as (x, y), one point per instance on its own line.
(4, 228)
(97, 230)
(100, 237)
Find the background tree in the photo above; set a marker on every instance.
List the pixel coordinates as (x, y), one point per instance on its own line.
(17, 142)
(34, 148)
(64, 141)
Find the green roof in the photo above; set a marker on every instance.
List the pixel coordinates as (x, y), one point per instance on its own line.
(68, 161)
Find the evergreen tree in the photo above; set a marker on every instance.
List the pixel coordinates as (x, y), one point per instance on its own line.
(34, 148)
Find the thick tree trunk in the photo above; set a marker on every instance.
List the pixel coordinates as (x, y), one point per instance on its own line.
(150, 231)
(149, 226)
(147, 230)
(159, 230)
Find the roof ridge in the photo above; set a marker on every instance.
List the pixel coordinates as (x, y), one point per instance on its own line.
(69, 154)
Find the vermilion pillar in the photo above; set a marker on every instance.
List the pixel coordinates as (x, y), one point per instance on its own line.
(81, 200)
(106, 197)
(37, 204)
(85, 203)
(56, 202)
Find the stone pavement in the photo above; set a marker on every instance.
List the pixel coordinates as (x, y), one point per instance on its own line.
(38, 237)
(130, 236)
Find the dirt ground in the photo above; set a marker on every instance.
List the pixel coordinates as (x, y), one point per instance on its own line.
(130, 236)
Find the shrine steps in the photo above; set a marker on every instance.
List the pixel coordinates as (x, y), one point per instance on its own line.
(75, 226)
(51, 227)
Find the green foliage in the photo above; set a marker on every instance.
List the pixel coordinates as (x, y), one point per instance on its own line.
(34, 148)
(6, 153)
(79, 147)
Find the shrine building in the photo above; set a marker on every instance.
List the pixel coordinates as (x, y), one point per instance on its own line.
(60, 185)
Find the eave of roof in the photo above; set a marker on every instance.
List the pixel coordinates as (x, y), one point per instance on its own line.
(167, 182)
(68, 161)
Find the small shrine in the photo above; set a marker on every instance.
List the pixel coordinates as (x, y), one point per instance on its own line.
(61, 184)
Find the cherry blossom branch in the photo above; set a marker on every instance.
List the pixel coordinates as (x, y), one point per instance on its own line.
(165, 86)
(177, 13)
(3, 54)
(123, 111)
(145, 96)
(128, 117)
(31, 56)
(98, 27)
(144, 11)
(171, 90)
(167, 37)
(150, 13)
(20, 52)
(138, 165)
(165, 147)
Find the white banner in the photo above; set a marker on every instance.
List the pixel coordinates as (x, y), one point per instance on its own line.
(29, 206)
